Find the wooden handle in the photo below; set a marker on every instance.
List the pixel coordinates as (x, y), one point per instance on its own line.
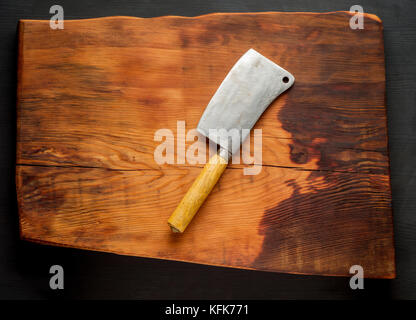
(198, 192)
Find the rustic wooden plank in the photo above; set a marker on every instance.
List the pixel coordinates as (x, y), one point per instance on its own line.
(317, 226)
(91, 76)
(91, 97)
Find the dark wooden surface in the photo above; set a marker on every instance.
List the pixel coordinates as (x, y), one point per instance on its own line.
(92, 96)
(24, 272)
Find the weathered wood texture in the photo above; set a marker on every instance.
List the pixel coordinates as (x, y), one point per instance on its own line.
(91, 97)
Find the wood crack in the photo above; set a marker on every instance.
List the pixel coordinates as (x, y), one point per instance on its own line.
(196, 166)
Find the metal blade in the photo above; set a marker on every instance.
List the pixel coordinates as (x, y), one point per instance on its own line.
(247, 90)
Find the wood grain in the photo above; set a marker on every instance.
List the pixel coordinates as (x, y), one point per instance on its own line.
(92, 96)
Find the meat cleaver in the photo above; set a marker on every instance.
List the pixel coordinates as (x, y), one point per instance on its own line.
(247, 90)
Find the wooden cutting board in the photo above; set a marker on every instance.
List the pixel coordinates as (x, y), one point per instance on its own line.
(92, 96)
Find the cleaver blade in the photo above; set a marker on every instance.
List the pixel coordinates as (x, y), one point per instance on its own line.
(248, 89)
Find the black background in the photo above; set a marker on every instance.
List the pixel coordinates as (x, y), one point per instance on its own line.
(24, 267)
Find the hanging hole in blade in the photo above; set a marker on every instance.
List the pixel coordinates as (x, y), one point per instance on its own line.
(285, 79)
